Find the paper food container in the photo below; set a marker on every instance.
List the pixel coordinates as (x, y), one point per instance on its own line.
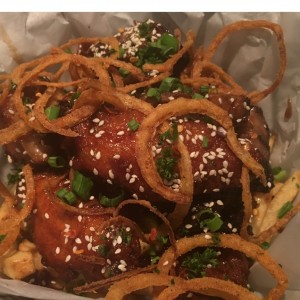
(250, 59)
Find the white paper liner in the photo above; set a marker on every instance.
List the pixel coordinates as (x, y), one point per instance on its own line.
(251, 60)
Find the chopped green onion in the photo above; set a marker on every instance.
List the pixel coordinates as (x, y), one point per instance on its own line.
(166, 164)
(2, 237)
(153, 93)
(216, 238)
(124, 72)
(52, 112)
(280, 175)
(205, 142)
(69, 50)
(102, 250)
(56, 162)
(284, 209)
(121, 52)
(204, 89)
(133, 125)
(67, 196)
(12, 86)
(82, 185)
(207, 218)
(169, 84)
(111, 202)
(74, 97)
(144, 29)
(197, 96)
(168, 44)
(265, 245)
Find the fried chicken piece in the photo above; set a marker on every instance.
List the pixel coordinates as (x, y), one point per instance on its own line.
(106, 147)
(75, 242)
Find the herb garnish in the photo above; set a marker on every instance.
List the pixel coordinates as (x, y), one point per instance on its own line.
(197, 262)
(166, 163)
(284, 209)
(82, 185)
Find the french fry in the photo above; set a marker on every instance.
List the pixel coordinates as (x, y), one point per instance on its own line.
(287, 193)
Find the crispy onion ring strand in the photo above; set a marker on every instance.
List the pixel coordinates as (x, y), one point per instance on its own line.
(234, 242)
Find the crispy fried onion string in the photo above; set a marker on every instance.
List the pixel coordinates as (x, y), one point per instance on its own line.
(182, 106)
(126, 286)
(234, 242)
(208, 55)
(10, 217)
(13, 132)
(208, 286)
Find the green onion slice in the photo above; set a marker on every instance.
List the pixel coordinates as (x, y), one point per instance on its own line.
(284, 209)
(82, 185)
(133, 125)
(52, 112)
(56, 162)
(111, 202)
(67, 196)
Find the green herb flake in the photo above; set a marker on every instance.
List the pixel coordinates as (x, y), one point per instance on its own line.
(170, 135)
(208, 219)
(144, 29)
(67, 196)
(56, 162)
(2, 237)
(216, 238)
(74, 97)
(14, 175)
(166, 164)
(133, 125)
(82, 185)
(265, 245)
(205, 142)
(69, 50)
(102, 250)
(204, 89)
(284, 209)
(124, 72)
(12, 86)
(153, 93)
(279, 174)
(111, 202)
(196, 262)
(197, 96)
(162, 239)
(52, 112)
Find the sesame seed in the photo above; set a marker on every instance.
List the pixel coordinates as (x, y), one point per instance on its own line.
(111, 174)
(78, 241)
(109, 181)
(122, 268)
(234, 230)
(188, 226)
(229, 225)
(118, 251)
(57, 250)
(219, 202)
(165, 263)
(119, 240)
(207, 237)
(141, 189)
(68, 258)
(47, 216)
(95, 171)
(79, 218)
(98, 155)
(119, 133)
(117, 156)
